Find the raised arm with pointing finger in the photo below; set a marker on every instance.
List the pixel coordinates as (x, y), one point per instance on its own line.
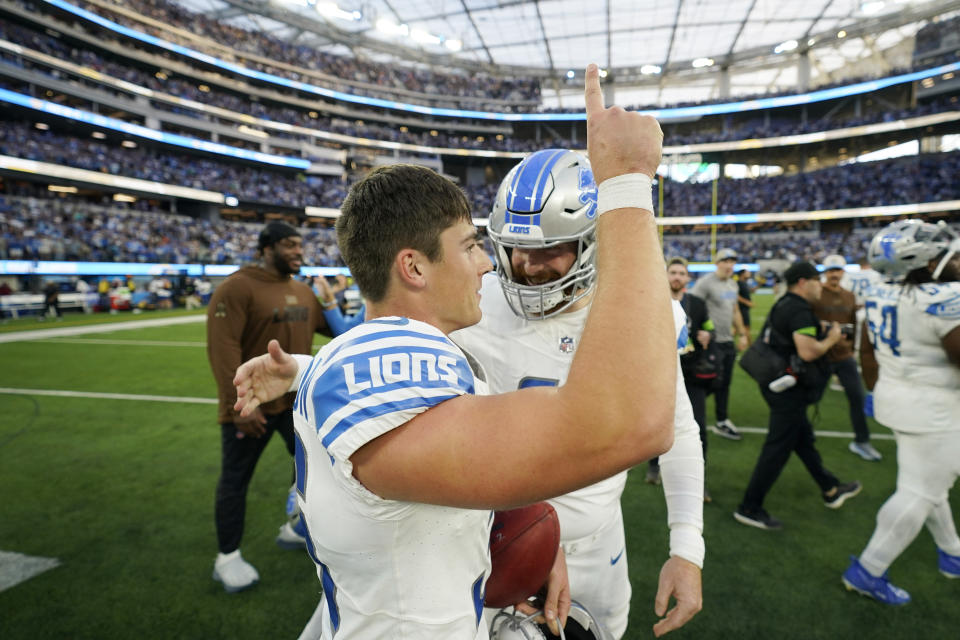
(401, 451)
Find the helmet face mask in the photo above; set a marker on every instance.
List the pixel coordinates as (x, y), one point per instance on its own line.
(902, 247)
(510, 624)
(547, 200)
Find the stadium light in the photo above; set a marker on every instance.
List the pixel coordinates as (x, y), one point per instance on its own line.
(421, 36)
(389, 27)
(570, 74)
(453, 44)
(650, 69)
(841, 34)
(789, 45)
(702, 62)
(331, 10)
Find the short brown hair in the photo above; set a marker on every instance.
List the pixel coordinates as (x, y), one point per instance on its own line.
(678, 260)
(396, 207)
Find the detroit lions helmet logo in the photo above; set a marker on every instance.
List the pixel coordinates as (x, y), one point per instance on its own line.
(887, 243)
(588, 191)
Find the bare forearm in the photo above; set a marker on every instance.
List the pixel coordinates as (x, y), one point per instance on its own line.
(628, 342)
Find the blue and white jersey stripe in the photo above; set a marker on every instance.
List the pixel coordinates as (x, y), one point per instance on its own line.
(532, 182)
(376, 377)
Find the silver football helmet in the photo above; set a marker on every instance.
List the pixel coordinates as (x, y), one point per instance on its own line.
(549, 199)
(903, 246)
(509, 624)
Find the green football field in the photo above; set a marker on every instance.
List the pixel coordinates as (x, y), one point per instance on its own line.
(113, 476)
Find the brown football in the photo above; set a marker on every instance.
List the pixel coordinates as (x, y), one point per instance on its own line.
(523, 546)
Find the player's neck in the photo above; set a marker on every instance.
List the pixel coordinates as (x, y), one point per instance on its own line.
(678, 295)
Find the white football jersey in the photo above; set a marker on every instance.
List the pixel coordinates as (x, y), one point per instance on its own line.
(389, 569)
(517, 353)
(860, 282)
(918, 389)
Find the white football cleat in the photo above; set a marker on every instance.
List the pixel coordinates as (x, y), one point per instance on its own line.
(234, 572)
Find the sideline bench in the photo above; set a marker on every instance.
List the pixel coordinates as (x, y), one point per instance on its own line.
(11, 306)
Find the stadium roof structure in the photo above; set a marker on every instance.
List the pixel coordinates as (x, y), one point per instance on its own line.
(639, 42)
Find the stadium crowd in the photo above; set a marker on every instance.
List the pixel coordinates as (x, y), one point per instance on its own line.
(69, 229)
(34, 228)
(353, 75)
(898, 181)
(728, 128)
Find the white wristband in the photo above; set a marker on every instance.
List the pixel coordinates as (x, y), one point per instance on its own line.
(687, 542)
(630, 190)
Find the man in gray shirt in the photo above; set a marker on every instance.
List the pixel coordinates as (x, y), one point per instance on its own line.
(719, 291)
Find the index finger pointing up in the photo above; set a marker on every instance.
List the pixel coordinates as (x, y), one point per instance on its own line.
(592, 94)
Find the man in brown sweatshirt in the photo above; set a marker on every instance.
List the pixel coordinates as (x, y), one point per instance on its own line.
(836, 304)
(256, 304)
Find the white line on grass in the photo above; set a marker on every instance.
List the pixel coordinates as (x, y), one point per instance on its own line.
(17, 567)
(129, 343)
(130, 396)
(106, 396)
(824, 434)
(38, 334)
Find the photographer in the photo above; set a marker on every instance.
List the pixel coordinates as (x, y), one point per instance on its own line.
(836, 304)
(795, 334)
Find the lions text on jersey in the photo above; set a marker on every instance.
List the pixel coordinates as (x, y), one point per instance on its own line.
(918, 389)
(389, 569)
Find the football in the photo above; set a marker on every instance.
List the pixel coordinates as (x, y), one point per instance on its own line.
(523, 546)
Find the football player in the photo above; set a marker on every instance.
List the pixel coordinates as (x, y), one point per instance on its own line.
(534, 309)
(913, 334)
(399, 456)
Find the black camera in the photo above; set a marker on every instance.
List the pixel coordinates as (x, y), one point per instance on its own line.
(848, 330)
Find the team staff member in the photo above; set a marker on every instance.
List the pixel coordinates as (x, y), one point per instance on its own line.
(836, 304)
(794, 330)
(746, 285)
(256, 304)
(719, 291)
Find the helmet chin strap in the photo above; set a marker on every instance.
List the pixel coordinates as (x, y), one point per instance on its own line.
(951, 251)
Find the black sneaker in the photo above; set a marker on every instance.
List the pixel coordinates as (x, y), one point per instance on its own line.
(653, 475)
(844, 491)
(758, 518)
(726, 429)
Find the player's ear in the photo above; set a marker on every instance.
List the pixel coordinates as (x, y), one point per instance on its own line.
(410, 264)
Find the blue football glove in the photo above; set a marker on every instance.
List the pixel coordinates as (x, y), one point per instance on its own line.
(868, 405)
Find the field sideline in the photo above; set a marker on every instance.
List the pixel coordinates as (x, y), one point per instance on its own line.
(116, 483)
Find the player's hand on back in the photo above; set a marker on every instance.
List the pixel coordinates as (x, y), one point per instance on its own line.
(618, 141)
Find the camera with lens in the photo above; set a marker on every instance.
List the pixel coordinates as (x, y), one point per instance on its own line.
(848, 330)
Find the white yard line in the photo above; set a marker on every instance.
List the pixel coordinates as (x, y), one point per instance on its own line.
(106, 396)
(180, 399)
(129, 343)
(40, 334)
(17, 567)
(823, 434)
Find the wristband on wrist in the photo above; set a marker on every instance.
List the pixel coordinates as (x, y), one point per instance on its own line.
(687, 542)
(630, 190)
(328, 305)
